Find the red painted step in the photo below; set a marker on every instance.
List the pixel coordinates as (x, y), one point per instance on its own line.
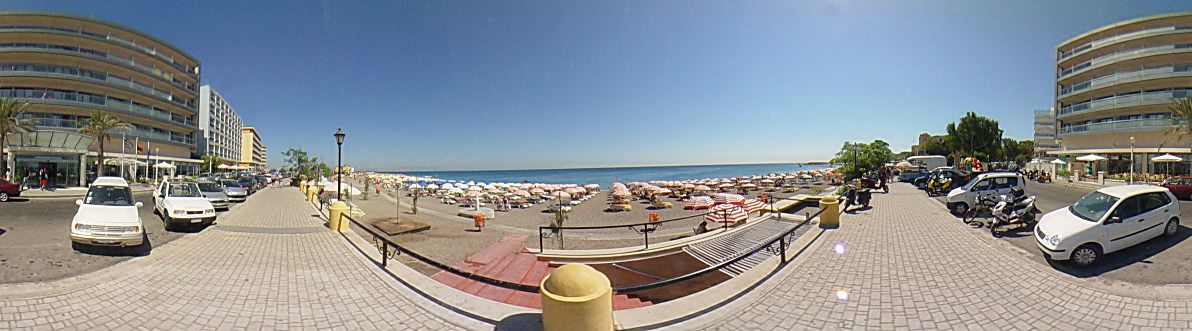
(520, 265)
(495, 293)
(512, 243)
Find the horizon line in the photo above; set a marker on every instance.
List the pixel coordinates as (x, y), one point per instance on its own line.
(608, 167)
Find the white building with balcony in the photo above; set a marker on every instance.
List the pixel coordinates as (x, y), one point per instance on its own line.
(219, 127)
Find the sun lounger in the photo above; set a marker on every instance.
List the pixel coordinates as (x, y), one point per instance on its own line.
(662, 205)
(620, 207)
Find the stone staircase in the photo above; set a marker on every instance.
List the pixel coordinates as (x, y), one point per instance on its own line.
(507, 260)
(726, 247)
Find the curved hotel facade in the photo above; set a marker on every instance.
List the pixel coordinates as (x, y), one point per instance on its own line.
(68, 66)
(1113, 86)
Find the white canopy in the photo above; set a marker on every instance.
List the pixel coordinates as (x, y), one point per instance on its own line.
(123, 161)
(1091, 158)
(164, 165)
(1166, 158)
(223, 166)
(1058, 161)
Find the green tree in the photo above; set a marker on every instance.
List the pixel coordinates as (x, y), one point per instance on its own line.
(301, 163)
(934, 145)
(210, 162)
(12, 121)
(1182, 109)
(860, 158)
(975, 135)
(100, 127)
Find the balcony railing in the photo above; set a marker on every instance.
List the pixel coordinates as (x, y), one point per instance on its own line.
(104, 56)
(1132, 100)
(1117, 55)
(148, 51)
(1138, 75)
(1115, 38)
(1115, 126)
(75, 124)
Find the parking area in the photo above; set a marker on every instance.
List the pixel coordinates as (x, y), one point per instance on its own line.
(1159, 261)
(35, 243)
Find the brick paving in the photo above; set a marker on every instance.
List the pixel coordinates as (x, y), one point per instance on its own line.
(908, 264)
(221, 279)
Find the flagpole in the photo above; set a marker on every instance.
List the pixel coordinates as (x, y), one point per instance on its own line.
(123, 142)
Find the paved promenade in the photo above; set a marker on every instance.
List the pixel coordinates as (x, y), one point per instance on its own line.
(908, 264)
(266, 265)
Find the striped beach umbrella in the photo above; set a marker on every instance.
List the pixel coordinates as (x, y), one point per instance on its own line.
(726, 213)
(729, 198)
(700, 202)
(752, 205)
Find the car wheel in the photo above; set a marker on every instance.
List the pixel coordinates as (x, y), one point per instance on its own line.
(959, 208)
(1086, 255)
(168, 223)
(1172, 227)
(3, 197)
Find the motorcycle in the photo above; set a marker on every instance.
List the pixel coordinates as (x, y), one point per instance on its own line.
(940, 185)
(873, 182)
(1013, 212)
(983, 207)
(1043, 177)
(857, 195)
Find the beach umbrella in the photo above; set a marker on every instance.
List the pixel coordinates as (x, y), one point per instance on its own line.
(662, 191)
(689, 186)
(561, 194)
(522, 193)
(752, 205)
(592, 187)
(729, 198)
(1091, 158)
(700, 202)
(767, 181)
(702, 188)
(432, 187)
(749, 186)
(1167, 158)
(415, 186)
(726, 185)
(904, 164)
(455, 190)
(726, 214)
(448, 186)
(1058, 161)
(472, 194)
(474, 189)
(537, 190)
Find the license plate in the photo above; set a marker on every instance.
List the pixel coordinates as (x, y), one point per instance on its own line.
(197, 220)
(105, 242)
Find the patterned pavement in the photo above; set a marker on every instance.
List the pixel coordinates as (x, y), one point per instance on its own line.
(908, 264)
(233, 279)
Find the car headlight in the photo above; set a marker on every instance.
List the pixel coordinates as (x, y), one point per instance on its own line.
(209, 211)
(133, 229)
(1054, 239)
(178, 212)
(82, 227)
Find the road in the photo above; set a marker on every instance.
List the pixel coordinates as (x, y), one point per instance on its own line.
(34, 242)
(1158, 261)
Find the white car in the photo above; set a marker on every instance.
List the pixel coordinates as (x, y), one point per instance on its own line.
(994, 184)
(180, 203)
(1106, 221)
(107, 216)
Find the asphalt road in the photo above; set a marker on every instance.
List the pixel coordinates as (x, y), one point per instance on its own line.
(35, 243)
(1163, 260)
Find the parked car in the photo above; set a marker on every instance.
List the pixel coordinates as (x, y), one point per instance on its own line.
(107, 216)
(248, 184)
(181, 202)
(234, 191)
(958, 176)
(1181, 187)
(1108, 220)
(214, 192)
(909, 175)
(994, 183)
(8, 190)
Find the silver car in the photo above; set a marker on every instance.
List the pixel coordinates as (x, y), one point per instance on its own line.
(234, 191)
(215, 193)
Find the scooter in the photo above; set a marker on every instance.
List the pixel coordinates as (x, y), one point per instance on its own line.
(939, 185)
(1044, 177)
(857, 195)
(873, 182)
(1013, 213)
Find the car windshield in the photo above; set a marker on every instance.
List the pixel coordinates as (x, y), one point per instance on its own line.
(1093, 206)
(108, 196)
(210, 187)
(185, 190)
(231, 183)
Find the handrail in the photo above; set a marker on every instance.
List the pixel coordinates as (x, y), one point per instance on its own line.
(384, 249)
(646, 227)
(780, 239)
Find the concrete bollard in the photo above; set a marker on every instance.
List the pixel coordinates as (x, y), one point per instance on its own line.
(576, 297)
(335, 216)
(1100, 178)
(830, 215)
(312, 193)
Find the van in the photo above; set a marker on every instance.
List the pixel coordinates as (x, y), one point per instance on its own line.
(994, 183)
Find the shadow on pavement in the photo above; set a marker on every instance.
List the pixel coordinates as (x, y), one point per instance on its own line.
(16, 200)
(142, 250)
(523, 321)
(1140, 253)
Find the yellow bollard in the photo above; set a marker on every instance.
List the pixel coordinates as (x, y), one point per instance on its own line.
(312, 193)
(335, 216)
(302, 186)
(830, 217)
(576, 297)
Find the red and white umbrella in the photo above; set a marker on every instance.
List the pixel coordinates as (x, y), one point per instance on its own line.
(700, 202)
(752, 205)
(726, 213)
(729, 198)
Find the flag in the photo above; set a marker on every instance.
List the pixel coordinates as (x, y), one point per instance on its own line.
(129, 144)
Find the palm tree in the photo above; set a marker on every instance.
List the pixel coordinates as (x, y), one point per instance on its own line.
(99, 126)
(1182, 108)
(11, 122)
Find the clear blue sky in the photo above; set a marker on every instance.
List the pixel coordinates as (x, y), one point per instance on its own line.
(456, 85)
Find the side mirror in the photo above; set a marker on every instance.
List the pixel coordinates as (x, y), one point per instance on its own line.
(140, 204)
(79, 202)
(1113, 219)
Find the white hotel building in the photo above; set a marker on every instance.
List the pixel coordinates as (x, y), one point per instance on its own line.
(219, 125)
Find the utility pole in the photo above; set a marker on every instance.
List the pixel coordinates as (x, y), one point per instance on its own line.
(1131, 160)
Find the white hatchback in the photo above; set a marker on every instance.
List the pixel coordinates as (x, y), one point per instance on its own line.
(1108, 220)
(180, 203)
(107, 216)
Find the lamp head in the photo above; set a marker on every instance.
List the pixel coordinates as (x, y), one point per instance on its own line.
(339, 137)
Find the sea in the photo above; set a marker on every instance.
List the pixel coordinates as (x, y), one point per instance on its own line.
(606, 176)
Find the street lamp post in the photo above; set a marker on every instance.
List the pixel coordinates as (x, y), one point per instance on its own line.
(1131, 160)
(339, 166)
(856, 169)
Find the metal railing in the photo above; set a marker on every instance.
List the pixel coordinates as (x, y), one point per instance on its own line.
(783, 240)
(644, 228)
(390, 250)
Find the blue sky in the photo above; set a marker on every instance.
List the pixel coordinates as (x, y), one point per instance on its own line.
(461, 85)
